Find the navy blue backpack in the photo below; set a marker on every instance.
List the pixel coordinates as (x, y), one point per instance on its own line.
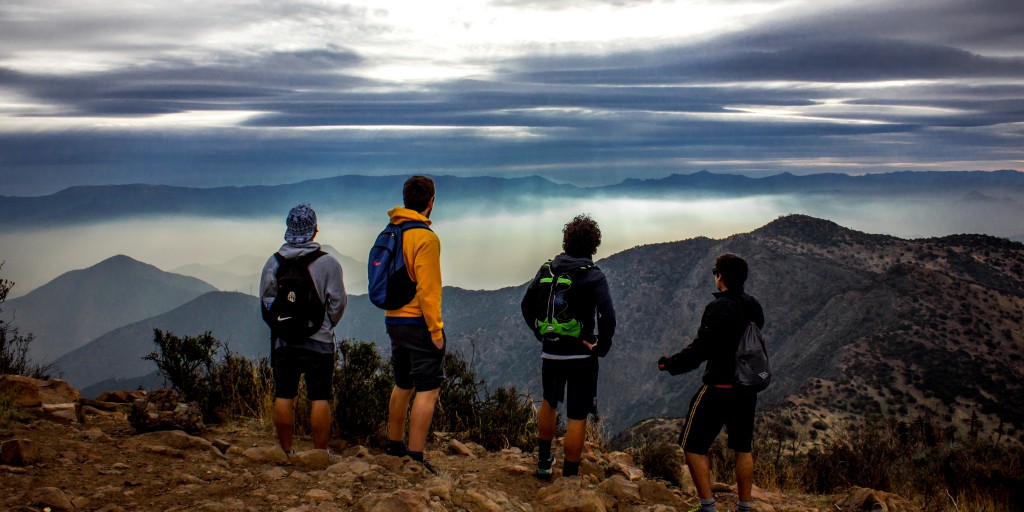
(389, 284)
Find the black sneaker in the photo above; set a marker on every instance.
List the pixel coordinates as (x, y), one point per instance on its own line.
(395, 449)
(428, 467)
(544, 468)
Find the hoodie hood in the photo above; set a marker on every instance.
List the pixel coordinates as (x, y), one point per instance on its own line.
(564, 262)
(400, 214)
(292, 251)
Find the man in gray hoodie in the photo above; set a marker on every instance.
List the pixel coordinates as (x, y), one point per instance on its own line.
(313, 352)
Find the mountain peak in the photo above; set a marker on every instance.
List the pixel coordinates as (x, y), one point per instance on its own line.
(803, 227)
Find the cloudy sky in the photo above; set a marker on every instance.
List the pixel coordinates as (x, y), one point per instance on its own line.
(235, 93)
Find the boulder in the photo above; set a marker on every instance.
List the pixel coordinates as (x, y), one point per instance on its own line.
(572, 495)
(51, 399)
(51, 498)
(18, 452)
(161, 410)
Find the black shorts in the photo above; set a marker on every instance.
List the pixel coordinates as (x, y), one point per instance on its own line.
(290, 363)
(416, 361)
(712, 408)
(579, 376)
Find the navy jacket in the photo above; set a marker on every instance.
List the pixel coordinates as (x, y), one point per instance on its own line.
(591, 304)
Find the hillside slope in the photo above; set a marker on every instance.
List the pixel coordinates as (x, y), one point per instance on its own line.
(232, 317)
(80, 305)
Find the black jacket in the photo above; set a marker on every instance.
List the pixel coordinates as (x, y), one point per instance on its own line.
(721, 327)
(591, 304)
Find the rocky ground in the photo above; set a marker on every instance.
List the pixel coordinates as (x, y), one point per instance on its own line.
(95, 461)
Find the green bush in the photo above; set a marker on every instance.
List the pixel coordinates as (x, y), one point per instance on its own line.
(362, 391)
(186, 361)
(659, 459)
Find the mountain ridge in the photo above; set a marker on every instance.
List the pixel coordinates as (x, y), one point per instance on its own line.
(362, 196)
(80, 304)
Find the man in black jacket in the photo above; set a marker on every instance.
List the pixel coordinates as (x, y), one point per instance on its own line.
(718, 402)
(560, 307)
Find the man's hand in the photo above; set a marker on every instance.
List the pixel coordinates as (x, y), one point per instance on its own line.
(440, 343)
(590, 346)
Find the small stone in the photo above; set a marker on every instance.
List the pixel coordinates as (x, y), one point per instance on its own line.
(319, 495)
(221, 445)
(621, 488)
(458, 448)
(272, 474)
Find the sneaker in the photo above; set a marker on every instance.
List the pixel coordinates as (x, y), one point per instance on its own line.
(428, 467)
(395, 449)
(544, 468)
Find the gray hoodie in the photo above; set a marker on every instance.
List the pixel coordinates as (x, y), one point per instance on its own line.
(328, 279)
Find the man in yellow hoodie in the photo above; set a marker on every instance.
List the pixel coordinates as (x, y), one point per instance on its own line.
(416, 329)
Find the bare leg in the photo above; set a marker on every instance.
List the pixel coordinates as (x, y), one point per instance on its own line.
(575, 435)
(284, 422)
(422, 414)
(700, 471)
(744, 474)
(320, 421)
(546, 421)
(398, 409)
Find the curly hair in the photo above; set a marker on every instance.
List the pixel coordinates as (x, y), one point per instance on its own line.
(581, 236)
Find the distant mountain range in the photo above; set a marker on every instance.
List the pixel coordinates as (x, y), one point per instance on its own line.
(242, 273)
(80, 305)
(366, 197)
(857, 324)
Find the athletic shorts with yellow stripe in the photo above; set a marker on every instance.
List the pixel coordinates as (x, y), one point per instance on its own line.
(714, 407)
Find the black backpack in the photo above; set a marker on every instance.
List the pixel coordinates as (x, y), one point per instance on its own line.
(753, 369)
(297, 311)
(553, 316)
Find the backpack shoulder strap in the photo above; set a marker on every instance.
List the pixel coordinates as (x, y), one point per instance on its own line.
(413, 224)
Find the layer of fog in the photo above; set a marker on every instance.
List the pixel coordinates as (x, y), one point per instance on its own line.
(485, 249)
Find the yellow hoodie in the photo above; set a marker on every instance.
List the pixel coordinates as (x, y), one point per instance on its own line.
(422, 252)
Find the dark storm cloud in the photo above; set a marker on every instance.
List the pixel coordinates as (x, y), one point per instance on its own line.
(799, 85)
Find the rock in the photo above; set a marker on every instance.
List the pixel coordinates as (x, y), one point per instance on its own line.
(457, 448)
(52, 498)
(121, 397)
(860, 498)
(94, 435)
(657, 491)
(318, 495)
(402, 500)
(272, 474)
(632, 473)
(70, 412)
(161, 410)
(315, 459)
(588, 467)
(221, 445)
(358, 450)
(621, 488)
(439, 487)
(174, 439)
(570, 495)
(266, 454)
(19, 452)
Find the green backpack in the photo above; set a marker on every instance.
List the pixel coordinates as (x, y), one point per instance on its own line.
(554, 295)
